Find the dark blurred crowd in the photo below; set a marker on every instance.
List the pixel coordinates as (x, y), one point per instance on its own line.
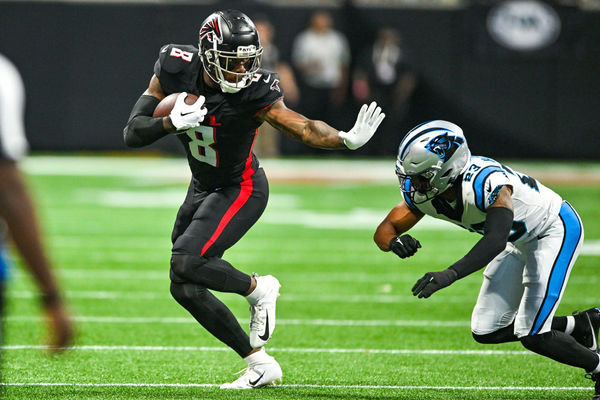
(327, 79)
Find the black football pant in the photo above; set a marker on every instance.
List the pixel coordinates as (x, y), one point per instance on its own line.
(207, 224)
(555, 344)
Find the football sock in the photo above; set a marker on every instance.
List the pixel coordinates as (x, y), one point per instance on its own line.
(259, 357)
(564, 324)
(257, 293)
(570, 325)
(213, 315)
(562, 348)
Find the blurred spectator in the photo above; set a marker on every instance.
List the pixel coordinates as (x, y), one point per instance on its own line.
(267, 140)
(17, 210)
(382, 73)
(321, 56)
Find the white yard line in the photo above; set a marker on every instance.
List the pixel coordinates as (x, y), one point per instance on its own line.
(316, 277)
(300, 170)
(287, 298)
(280, 350)
(317, 298)
(309, 322)
(308, 386)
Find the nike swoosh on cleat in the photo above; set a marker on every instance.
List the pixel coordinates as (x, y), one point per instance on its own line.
(265, 336)
(256, 381)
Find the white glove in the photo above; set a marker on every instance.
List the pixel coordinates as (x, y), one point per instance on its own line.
(366, 124)
(185, 116)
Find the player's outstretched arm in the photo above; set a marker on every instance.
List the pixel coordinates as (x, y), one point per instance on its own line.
(318, 133)
(389, 234)
(498, 223)
(142, 129)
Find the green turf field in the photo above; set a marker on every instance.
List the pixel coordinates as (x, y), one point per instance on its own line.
(348, 326)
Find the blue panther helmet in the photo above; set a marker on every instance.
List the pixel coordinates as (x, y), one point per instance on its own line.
(430, 158)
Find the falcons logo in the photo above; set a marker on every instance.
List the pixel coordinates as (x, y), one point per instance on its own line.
(212, 31)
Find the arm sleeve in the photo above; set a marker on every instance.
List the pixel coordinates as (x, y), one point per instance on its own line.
(141, 129)
(498, 223)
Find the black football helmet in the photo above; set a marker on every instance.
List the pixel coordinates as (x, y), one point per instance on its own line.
(226, 40)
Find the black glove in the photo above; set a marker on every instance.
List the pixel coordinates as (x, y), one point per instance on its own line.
(404, 246)
(431, 282)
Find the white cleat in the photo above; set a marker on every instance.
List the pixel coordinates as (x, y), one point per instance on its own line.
(257, 376)
(262, 314)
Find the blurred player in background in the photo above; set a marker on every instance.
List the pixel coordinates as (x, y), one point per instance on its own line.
(267, 138)
(17, 213)
(383, 73)
(321, 56)
(229, 190)
(531, 239)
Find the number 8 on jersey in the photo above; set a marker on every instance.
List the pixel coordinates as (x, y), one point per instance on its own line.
(201, 140)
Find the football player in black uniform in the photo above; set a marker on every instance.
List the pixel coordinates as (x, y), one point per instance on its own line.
(228, 191)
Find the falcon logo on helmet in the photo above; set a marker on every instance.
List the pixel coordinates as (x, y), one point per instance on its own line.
(230, 49)
(212, 31)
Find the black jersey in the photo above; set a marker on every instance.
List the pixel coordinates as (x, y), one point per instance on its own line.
(219, 151)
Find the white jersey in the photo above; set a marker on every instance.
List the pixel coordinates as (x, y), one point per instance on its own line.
(533, 203)
(13, 144)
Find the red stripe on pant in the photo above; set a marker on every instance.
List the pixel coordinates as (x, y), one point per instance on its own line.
(246, 188)
(245, 192)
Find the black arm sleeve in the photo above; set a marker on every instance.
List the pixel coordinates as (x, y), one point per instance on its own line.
(498, 224)
(142, 129)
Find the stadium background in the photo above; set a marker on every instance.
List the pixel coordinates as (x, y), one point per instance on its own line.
(85, 64)
(348, 326)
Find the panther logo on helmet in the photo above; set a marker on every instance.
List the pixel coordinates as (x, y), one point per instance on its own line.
(212, 31)
(430, 158)
(444, 145)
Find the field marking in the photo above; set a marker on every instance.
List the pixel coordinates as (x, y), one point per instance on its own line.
(318, 277)
(373, 170)
(307, 385)
(310, 322)
(278, 350)
(317, 298)
(164, 296)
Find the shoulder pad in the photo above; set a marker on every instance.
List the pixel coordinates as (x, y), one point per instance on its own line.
(174, 58)
(264, 90)
(265, 82)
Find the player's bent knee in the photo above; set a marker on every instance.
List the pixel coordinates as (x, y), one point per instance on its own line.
(185, 266)
(502, 335)
(535, 343)
(484, 339)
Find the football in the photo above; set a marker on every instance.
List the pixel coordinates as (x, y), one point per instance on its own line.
(165, 106)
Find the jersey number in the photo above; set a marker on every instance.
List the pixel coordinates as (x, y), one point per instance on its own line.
(202, 140)
(184, 55)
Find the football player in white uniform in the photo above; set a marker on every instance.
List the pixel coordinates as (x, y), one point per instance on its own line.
(531, 239)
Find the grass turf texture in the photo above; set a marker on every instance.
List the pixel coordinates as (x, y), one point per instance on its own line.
(339, 292)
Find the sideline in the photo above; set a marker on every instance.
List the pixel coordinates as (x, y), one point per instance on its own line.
(288, 170)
